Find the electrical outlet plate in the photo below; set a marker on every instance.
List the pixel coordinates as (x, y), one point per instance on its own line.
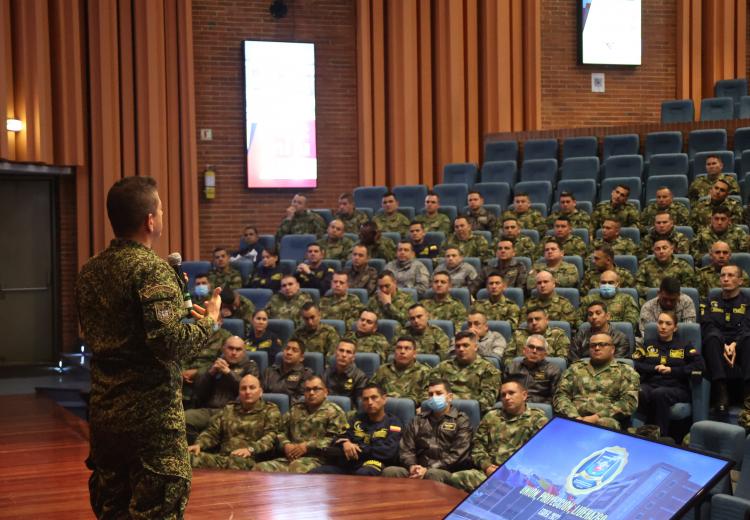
(597, 82)
(206, 134)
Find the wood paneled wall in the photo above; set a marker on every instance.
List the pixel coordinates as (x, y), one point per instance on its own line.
(434, 77)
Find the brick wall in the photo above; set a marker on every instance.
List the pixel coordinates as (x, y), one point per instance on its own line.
(220, 26)
(633, 94)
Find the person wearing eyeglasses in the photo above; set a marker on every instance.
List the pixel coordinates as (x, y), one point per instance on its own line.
(599, 390)
(307, 430)
(539, 376)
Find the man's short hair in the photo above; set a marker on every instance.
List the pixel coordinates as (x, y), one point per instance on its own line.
(298, 341)
(662, 212)
(414, 306)
(521, 194)
(376, 386)
(537, 337)
(409, 339)
(562, 218)
(567, 194)
(723, 181)
(466, 334)
(606, 249)
(388, 193)
(227, 296)
(313, 377)
(552, 240)
(517, 380)
(670, 285)
(346, 196)
(624, 187)
(537, 309)
(220, 248)
(433, 194)
(309, 305)
(416, 223)
(341, 272)
(721, 209)
(129, 203)
(598, 303)
(347, 341)
(201, 275)
(446, 384)
(387, 273)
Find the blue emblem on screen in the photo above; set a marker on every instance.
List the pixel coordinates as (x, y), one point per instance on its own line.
(596, 470)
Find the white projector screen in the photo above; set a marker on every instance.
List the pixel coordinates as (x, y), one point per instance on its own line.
(610, 32)
(280, 115)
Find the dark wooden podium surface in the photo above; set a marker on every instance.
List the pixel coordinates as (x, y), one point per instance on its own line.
(42, 475)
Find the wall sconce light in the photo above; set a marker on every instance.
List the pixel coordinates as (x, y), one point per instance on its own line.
(14, 125)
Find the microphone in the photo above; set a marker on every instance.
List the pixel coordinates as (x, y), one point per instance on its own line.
(175, 260)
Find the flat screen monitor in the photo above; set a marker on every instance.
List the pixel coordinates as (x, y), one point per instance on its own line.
(280, 115)
(574, 470)
(609, 32)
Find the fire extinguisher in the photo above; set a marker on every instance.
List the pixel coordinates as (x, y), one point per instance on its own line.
(209, 183)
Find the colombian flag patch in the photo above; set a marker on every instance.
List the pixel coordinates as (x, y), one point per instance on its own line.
(394, 428)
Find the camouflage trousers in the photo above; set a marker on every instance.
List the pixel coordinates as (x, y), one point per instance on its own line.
(216, 461)
(744, 418)
(609, 422)
(282, 465)
(439, 475)
(467, 480)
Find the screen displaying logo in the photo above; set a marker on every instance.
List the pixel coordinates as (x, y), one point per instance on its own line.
(596, 470)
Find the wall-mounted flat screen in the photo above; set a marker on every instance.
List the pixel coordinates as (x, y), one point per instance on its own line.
(572, 470)
(280, 115)
(609, 32)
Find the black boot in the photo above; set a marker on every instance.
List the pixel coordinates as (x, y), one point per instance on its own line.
(722, 397)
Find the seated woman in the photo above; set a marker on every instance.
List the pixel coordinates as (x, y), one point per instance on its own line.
(268, 274)
(259, 338)
(665, 364)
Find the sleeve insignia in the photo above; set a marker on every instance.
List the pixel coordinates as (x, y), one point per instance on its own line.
(163, 311)
(160, 289)
(394, 428)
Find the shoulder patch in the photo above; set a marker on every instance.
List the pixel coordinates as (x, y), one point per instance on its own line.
(163, 311)
(394, 428)
(149, 292)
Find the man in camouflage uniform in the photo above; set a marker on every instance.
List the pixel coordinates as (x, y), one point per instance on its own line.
(388, 302)
(565, 273)
(391, 219)
(201, 360)
(523, 245)
(432, 219)
(334, 244)
(343, 377)
(710, 275)
(404, 377)
(478, 216)
(599, 391)
(500, 434)
(470, 376)
(429, 339)
(423, 248)
(442, 306)
(341, 305)
(351, 217)
(366, 336)
(286, 376)
(665, 202)
(718, 196)
(512, 270)
(721, 228)
(317, 336)
(557, 307)
(130, 309)
(602, 260)
(620, 305)
(462, 273)
(663, 229)
(287, 304)
(377, 245)
(611, 237)
(653, 269)
(539, 376)
(466, 242)
(616, 208)
(313, 273)
(236, 306)
(569, 243)
(242, 431)
(222, 275)
(307, 430)
(497, 306)
(702, 184)
(577, 218)
(537, 322)
(599, 321)
(408, 272)
(527, 217)
(361, 274)
(299, 220)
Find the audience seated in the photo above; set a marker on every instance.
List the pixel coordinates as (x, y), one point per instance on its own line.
(334, 244)
(234, 305)
(611, 237)
(653, 270)
(720, 228)
(663, 229)
(497, 306)
(477, 215)
(537, 322)
(616, 208)
(539, 376)
(565, 273)
(221, 274)
(404, 377)
(709, 276)
(366, 335)
(288, 302)
(391, 219)
(441, 305)
(523, 244)
(340, 305)
(377, 246)
(664, 202)
(599, 320)
(718, 195)
(603, 259)
(465, 241)
(431, 218)
(526, 216)
(250, 246)
(267, 275)
(620, 305)
(461, 273)
(512, 270)
(299, 220)
(352, 218)
(288, 375)
(569, 209)
(343, 377)
(490, 344)
(702, 184)
(312, 273)
(317, 336)
(361, 274)
(669, 298)
(407, 270)
(388, 302)
(422, 246)
(556, 307)
(428, 338)
(569, 243)
(260, 338)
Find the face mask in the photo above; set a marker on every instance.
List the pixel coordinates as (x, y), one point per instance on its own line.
(436, 403)
(607, 291)
(201, 290)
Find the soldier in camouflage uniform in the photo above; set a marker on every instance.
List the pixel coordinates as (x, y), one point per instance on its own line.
(665, 202)
(307, 430)
(653, 269)
(702, 184)
(557, 307)
(500, 434)
(361, 275)
(569, 243)
(663, 229)
(523, 245)
(366, 336)
(287, 304)
(709, 276)
(202, 359)
(611, 237)
(599, 391)
(334, 244)
(539, 376)
(432, 219)
(470, 375)
(537, 322)
(718, 196)
(478, 216)
(527, 217)
(388, 302)
(721, 228)
(566, 274)
(342, 377)
(577, 218)
(442, 306)
(620, 305)
(497, 306)
(512, 270)
(602, 260)
(287, 375)
(391, 219)
(463, 240)
(242, 431)
(404, 377)
(352, 218)
(617, 208)
(236, 306)
(130, 309)
(299, 220)
(377, 246)
(429, 339)
(317, 336)
(341, 305)
(221, 275)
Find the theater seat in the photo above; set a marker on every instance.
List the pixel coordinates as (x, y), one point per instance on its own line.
(280, 400)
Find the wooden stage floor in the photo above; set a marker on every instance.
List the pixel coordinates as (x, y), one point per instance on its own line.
(42, 475)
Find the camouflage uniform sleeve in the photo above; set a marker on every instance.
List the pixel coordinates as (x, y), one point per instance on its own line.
(569, 314)
(631, 312)
(538, 421)
(460, 446)
(282, 436)
(336, 425)
(482, 452)
(562, 401)
(211, 436)
(641, 280)
(443, 344)
(624, 404)
(490, 383)
(272, 425)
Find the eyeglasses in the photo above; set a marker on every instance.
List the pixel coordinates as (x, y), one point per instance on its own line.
(314, 389)
(535, 348)
(599, 344)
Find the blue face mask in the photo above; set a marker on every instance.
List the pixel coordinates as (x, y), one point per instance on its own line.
(607, 290)
(436, 403)
(201, 291)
